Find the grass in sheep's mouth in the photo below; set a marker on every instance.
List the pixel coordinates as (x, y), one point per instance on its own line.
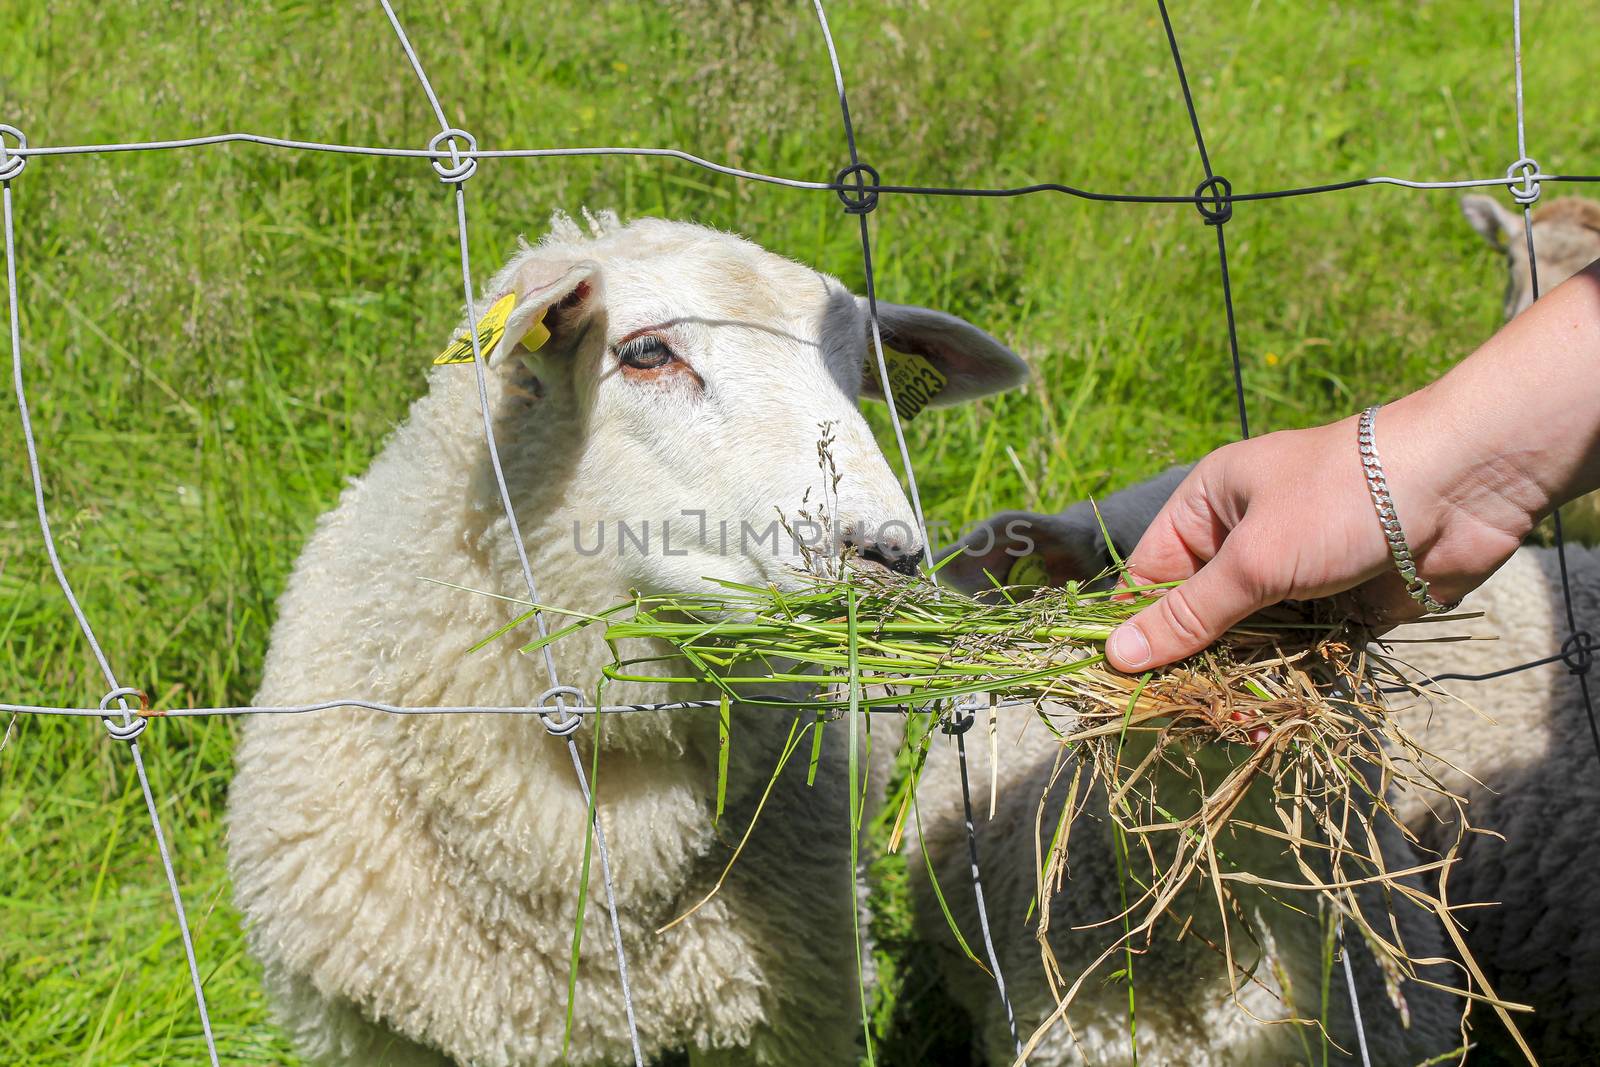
(1288, 700)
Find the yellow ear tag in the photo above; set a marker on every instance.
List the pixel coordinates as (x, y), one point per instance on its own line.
(490, 329)
(913, 381)
(1029, 570)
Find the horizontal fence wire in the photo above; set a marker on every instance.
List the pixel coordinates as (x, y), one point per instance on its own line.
(454, 155)
(445, 156)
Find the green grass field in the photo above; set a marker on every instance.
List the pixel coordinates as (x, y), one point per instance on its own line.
(216, 338)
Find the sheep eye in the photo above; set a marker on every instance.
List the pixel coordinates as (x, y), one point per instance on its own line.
(645, 353)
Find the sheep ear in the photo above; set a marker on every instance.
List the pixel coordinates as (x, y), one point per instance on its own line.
(951, 359)
(1490, 218)
(552, 306)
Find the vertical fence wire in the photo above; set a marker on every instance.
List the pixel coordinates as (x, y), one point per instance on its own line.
(1355, 1003)
(1214, 199)
(456, 175)
(864, 201)
(1526, 195)
(131, 726)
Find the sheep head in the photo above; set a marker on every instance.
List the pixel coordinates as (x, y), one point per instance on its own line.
(709, 388)
(1029, 548)
(1566, 238)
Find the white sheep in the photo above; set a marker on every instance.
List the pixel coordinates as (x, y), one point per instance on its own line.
(1185, 1013)
(410, 884)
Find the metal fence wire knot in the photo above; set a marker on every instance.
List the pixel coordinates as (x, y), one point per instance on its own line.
(459, 169)
(963, 713)
(1214, 198)
(11, 165)
(563, 722)
(862, 196)
(131, 729)
(1577, 652)
(1523, 178)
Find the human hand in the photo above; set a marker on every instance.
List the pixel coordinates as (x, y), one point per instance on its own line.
(1289, 517)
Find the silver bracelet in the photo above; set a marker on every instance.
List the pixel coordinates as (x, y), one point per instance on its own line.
(1378, 486)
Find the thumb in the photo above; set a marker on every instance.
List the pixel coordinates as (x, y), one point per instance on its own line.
(1188, 617)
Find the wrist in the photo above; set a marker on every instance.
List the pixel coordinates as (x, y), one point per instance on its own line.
(1464, 499)
(1480, 467)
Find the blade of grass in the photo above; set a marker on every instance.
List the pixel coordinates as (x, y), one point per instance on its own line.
(583, 876)
(938, 893)
(723, 729)
(1122, 873)
(816, 750)
(853, 635)
(789, 746)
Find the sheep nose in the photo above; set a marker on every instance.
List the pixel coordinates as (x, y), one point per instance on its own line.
(893, 552)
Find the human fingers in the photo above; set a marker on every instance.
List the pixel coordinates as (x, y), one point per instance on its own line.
(1189, 617)
(1185, 533)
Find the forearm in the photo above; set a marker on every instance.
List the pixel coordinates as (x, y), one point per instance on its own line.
(1522, 413)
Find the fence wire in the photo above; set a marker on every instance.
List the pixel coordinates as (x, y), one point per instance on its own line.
(454, 155)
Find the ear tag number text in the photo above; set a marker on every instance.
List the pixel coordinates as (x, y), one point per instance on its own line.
(913, 381)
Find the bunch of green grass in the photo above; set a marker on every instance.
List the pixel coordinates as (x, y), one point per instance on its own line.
(914, 641)
(1290, 695)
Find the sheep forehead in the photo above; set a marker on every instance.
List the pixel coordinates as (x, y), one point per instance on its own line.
(1568, 234)
(660, 269)
(1576, 240)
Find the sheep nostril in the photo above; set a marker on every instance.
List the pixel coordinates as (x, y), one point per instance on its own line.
(900, 561)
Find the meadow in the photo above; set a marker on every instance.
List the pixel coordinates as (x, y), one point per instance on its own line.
(215, 339)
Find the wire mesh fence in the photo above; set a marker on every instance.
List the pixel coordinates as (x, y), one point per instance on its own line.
(454, 156)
